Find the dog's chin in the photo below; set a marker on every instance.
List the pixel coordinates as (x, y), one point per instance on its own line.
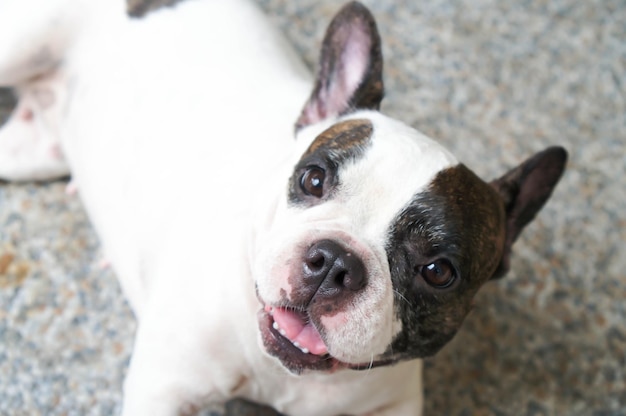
(312, 355)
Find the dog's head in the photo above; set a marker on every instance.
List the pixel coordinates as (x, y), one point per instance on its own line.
(383, 238)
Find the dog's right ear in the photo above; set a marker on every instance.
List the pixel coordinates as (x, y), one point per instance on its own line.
(524, 191)
(350, 69)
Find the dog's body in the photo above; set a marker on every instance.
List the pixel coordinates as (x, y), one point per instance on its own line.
(176, 129)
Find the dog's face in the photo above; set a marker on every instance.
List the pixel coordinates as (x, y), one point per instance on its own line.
(376, 249)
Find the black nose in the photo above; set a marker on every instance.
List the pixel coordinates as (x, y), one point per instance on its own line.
(333, 270)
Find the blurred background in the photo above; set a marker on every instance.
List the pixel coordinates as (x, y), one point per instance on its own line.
(495, 81)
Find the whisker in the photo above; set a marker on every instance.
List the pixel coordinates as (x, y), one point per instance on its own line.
(401, 296)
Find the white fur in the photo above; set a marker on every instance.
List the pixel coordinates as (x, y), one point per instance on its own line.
(178, 132)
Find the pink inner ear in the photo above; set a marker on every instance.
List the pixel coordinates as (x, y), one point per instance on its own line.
(350, 69)
(354, 61)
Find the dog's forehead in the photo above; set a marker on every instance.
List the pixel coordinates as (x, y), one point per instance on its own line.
(402, 157)
(381, 164)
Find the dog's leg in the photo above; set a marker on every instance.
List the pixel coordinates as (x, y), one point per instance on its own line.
(169, 372)
(35, 35)
(149, 388)
(30, 147)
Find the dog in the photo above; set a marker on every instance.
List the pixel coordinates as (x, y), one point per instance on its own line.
(313, 274)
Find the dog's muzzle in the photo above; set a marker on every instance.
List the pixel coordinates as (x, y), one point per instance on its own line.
(330, 278)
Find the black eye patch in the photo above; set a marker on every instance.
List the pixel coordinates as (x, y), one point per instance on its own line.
(340, 143)
(441, 248)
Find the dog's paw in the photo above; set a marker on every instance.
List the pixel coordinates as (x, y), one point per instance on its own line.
(71, 189)
(29, 148)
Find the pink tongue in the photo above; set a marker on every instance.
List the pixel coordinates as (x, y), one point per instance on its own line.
(296, 330)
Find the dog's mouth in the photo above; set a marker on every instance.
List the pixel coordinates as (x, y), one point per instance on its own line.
(297, 327)
(289, 335)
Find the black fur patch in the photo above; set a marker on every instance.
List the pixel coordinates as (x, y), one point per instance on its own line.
(459, 218)
(140, 8)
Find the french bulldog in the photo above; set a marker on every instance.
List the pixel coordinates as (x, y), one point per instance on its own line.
(313, 274)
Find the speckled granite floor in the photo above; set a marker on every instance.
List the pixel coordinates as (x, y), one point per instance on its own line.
(493, 80)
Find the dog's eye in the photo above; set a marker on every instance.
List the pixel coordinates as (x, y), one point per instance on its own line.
(439, 274)
(312, 181)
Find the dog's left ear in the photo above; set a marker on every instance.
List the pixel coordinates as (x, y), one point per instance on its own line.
(350, 69)
(525, 190)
